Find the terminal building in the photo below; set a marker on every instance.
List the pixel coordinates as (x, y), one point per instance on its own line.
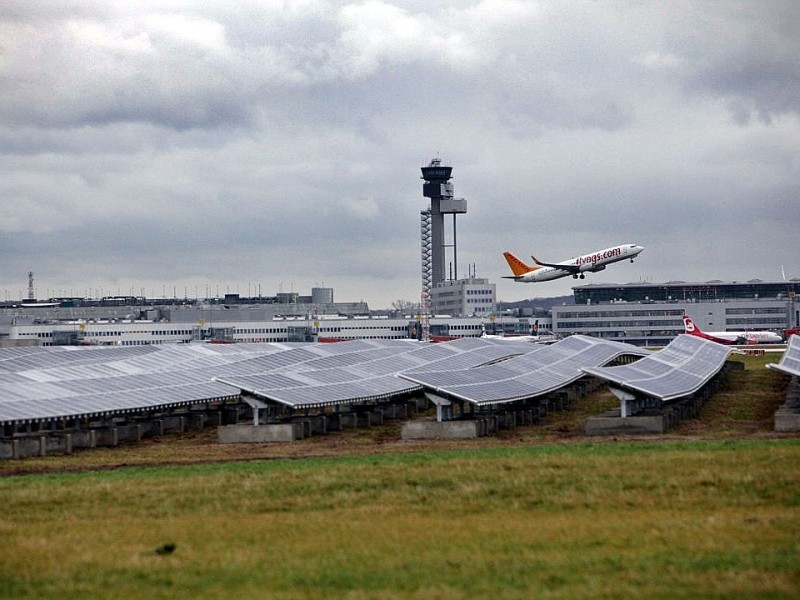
(640, 314)
(283, 318)
(650, 314)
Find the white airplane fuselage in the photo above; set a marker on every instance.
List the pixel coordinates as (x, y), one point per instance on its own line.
(732, 337)
(596, 261)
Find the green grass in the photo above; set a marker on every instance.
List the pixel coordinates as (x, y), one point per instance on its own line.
(705, 519)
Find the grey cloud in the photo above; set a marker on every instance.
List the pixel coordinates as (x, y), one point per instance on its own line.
(746, 53)
(282, 142)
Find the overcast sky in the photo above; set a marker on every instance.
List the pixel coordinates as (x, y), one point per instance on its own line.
(182, 147)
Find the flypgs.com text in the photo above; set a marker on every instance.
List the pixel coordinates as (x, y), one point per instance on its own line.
(597, 256)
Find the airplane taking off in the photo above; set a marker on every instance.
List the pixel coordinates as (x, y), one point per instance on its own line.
(596, 261)
(732, 337)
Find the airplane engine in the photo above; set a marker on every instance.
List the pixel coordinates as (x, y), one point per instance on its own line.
(594, 268)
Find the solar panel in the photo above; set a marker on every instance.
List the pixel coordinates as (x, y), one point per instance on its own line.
(330, 394)
(541, 370)
(64, 382)
(678, 370)
(358, 376)
(790, 361)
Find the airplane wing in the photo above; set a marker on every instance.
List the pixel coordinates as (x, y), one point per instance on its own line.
(569, 268)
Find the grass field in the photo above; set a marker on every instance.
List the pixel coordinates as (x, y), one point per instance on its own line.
(634, 520)
(712, 511)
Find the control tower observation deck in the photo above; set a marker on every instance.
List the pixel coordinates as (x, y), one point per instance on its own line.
(439, 189)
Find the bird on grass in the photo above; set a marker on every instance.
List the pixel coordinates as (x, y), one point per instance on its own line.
(165, 549)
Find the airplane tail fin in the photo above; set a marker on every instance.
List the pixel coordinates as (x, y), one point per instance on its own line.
(518, 267)
(689, 326)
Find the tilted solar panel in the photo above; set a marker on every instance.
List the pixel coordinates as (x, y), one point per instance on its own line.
(545, 369)
(678, 370)
(358, 376)
(790, 360)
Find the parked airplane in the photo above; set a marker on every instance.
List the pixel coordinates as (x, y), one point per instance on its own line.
(732, 337)
(596, 261)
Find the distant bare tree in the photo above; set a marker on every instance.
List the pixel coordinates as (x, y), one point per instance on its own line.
(404, 306)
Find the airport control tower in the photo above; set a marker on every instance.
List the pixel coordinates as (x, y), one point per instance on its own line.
(439, 189)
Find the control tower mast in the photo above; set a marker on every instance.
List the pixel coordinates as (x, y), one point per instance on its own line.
(439, 189)
(31, 293)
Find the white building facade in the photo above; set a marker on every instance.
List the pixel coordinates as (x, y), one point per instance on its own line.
(464, 298)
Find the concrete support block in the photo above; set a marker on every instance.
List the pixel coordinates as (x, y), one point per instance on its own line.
(616, 425)
(130, 432)
(363, 419)
(9, 449)
(333, 422)
(395, 411)
(249, 434)
(28, 446)
(452, 430)
(195, 421)
(84, 438)
(154, 427)
(370, 418)
(348, 420)
(314, 425)
(486, 426)
(787, 419)
(174, 423)
(60, 443)
(106, 437)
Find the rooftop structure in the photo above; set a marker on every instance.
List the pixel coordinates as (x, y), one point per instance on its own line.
(682, 291)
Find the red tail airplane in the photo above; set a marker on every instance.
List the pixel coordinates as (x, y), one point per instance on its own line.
(732, 337)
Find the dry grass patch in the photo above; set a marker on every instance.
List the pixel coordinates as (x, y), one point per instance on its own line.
(745, 404)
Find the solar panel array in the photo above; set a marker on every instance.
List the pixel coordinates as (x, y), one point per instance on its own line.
(41, 383)
(790, 361)
(44, 383)
(541, 370)
(678, 370)
(368, 375)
